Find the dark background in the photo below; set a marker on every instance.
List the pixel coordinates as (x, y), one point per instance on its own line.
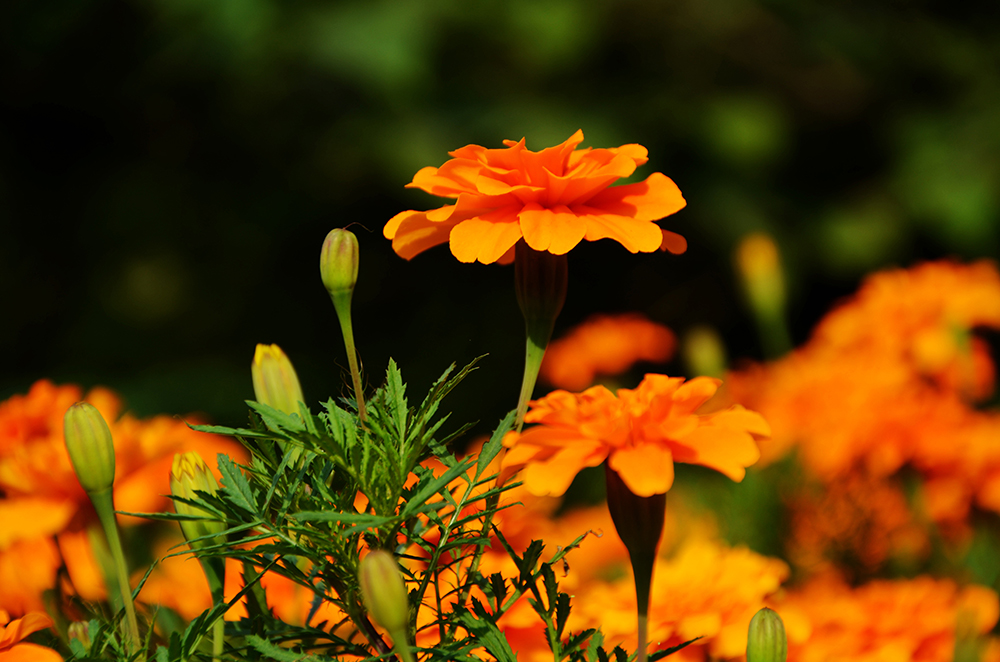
(169, 169)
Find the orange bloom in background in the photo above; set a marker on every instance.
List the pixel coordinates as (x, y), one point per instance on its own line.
(12, 634)
(605, 345)
(553, 199)
(912, 620)
(42, 502)
(706, 590)
(641, 433)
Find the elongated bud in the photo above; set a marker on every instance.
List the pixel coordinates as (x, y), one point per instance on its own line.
(274, 380)
(704, 352)
(91, 449)
(338, 261)
(80, 631)
(766, 641)
(759, 266)
(383, 591)
(190, 474)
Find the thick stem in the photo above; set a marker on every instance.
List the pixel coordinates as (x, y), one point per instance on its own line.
(540, 281)
(215, 573)
(639, 523)
(104, 504)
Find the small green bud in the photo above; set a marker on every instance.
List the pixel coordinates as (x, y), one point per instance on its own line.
(188, 475)
(91, 449)
(338, 261)
(274, 380)
(80, 631)
(383, 591)
(766, 640)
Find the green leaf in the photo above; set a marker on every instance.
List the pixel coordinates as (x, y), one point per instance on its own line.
(275, 652)
(235, 483)
(433, 487)
(487, 633)
(493, 447)
(659, 655)
(396, 399)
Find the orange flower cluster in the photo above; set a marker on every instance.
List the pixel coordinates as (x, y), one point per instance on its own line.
(641, 432)
(605, 345)
(886, 380)
(45, 512)
(13, 648)
(553, 199)
(913, 620)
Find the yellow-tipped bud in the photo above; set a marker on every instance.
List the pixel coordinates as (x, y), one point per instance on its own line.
(704, 352)
(338, 261)
(190, 474)
(91, 449)
(766, 641)
(383, 592)
(274, 380)
(760, 267)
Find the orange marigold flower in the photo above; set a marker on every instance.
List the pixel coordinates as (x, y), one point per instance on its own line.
(12, 633)
(553, 199)
(912, 619)
(641, 433)
(605, 345)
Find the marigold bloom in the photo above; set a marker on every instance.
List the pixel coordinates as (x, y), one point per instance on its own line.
(641, 433)
(13, 649)
(43, 499)
(605, 345)
(553, 199)
(910, 619)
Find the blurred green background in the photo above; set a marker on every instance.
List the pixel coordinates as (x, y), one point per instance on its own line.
(170, 168)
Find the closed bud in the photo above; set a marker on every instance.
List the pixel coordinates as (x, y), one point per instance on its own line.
(275, 383)
(80, 631)
(91, 449)
(338, 261)
(383, 591)
(189, 475)
(760, 268)
(766, 640)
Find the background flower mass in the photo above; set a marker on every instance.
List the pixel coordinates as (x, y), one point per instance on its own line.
(167, 167)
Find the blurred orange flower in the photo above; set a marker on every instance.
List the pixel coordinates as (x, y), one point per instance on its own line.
(641, 433)
(12, 634)
(911, 620)
(605, 345)
(553, 199)
(41, 501)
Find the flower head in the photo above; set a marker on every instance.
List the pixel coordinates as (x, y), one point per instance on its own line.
(553, 199)
(641, 433)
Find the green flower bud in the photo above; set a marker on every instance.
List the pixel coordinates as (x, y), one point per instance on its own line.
(383, 591)
(766, 640)
(188, 475)
(338, 261)
(274, 380)
(80, 631)
(91, 449)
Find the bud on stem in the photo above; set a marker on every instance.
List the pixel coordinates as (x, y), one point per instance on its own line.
(385, 597)
(338, 267)
(766, 641)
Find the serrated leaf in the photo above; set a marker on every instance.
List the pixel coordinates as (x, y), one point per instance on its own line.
(487, 633)
(275, 652)
(433, 487)
(620, 654)
(395, 391)
(562, 613)
(235, 483)
(493, 447)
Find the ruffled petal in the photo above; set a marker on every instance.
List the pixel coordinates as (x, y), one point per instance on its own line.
(649, 200)
(20, 628)
(552, 476)
(646, 469)
(636, 236)
(485, 238)
(728, 451)
(673, 243)
(556, 230)
(412, 233)
(33, 517)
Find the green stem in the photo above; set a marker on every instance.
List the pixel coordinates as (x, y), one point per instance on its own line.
(104, 504)
(215, 573)
(342, 304)
(533, 355)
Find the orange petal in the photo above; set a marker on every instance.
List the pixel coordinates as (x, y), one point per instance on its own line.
(31, 517)
(695, 392)
(673, 243)
(649, 200)
(30, 653)
(486, 238)
(552, 477)
(556, 230)
(738, 418)
(646, 469)
(635, 236)
(412, 233)
(725, 450)
(20, 628)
